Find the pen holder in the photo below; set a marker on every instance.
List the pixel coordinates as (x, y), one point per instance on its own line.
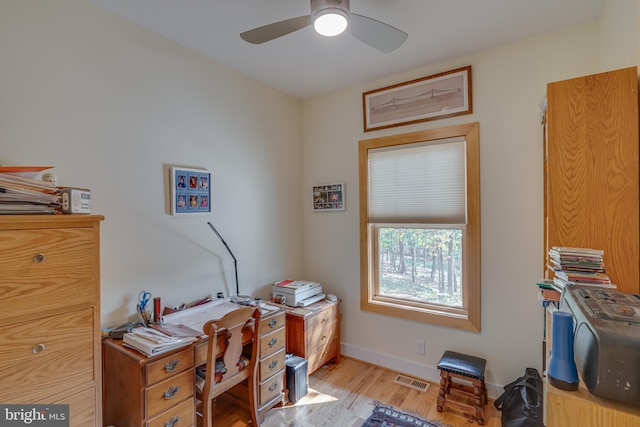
(144, 315)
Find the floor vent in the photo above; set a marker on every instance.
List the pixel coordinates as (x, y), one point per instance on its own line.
(411, 383)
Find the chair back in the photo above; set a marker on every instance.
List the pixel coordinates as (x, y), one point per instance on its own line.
(231, 357)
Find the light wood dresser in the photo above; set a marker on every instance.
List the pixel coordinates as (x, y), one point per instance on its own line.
(316, 335)
(50, 313)
(159, 391)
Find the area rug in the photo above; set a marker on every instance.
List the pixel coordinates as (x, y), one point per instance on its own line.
(386, 416)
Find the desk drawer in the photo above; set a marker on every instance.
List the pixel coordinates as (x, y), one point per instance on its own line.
(323, 318)
(321, 334)
(169, 366)
(167, 393)
(46, 356)
(272, 323)
(271, 364)
(46, 269)
(181, 415)
(321, 352)
(271, 388)
(272, 342)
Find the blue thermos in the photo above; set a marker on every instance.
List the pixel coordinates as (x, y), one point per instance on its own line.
(562, 371)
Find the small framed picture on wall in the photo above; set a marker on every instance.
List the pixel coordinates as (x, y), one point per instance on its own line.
(328, 197)
(190, 191)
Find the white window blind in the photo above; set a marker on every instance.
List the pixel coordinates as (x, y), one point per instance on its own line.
(418, 183)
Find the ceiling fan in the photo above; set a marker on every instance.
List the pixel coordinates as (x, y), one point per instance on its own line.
(337, 16)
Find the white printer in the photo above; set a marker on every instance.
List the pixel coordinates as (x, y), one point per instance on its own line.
(297, 293)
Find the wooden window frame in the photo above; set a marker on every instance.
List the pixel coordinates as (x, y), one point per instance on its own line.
(466, 318)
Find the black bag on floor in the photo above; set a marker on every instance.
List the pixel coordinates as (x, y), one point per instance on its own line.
(521, 402)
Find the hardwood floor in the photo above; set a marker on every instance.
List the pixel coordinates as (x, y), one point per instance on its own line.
(343, 395)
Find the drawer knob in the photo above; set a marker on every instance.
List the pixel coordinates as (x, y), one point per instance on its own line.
(273, 364)
(38, 258)
(273, 341)
(272, 323)
(169, 394)
(172, 422)
(273, 386)
(38, 348)
(169, 367)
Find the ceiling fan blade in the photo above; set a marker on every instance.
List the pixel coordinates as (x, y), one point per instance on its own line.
(277, 29)
(376, 34)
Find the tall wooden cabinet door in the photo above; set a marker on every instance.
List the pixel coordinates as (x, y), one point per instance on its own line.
(592, 193)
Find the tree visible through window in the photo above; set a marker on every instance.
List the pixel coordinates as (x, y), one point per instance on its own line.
(421, 264)
(420, 226)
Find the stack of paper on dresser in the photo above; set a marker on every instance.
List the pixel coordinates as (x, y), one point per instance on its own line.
(151, 342)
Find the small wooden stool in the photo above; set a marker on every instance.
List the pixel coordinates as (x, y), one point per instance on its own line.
(468, 368)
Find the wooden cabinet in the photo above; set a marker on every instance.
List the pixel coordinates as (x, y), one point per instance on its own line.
(592, 201)
(591, 170)
(50, 313)
(146, 391)
(316, 335)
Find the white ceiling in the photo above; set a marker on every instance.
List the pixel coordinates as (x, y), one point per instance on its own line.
(304, 64)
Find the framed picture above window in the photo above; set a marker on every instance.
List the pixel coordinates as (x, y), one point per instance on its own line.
(190, 191)
(328, 197)
(433, 97)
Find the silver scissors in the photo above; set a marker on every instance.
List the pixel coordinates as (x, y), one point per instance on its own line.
(143, 299)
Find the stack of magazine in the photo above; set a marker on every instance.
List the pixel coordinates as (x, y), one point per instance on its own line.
(22, 193)
(578, 266)
(150, 341)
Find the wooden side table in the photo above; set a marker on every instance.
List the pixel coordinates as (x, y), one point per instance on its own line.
(314, 333)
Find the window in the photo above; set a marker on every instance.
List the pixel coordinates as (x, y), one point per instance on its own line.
(420, 226)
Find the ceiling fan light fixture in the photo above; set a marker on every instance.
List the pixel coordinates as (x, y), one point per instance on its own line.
(330, 22)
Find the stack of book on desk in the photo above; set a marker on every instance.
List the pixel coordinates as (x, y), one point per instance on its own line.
(578, 266)
(150, 341)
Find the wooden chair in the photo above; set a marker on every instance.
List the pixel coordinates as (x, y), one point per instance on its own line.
(231, 359)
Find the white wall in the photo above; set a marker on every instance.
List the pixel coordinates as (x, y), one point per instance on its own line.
(618, 34)
(509, 84)
(112, 107)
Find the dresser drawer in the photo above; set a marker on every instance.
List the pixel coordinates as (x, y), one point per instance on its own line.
(82, 408)
(272, 342)
(181, 415)
(321, 334)
(169, 366)
(321, 352)
(271, 388)
(164, 395)
(271, 364)
(272, 323)
(46, 269)
(323, 318)
(44, 357)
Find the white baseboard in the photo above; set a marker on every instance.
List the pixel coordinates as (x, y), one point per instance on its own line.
(408, 367)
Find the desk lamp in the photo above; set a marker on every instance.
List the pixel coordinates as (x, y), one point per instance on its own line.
(237, 298)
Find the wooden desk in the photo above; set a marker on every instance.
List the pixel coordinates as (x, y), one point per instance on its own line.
(159, 391)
